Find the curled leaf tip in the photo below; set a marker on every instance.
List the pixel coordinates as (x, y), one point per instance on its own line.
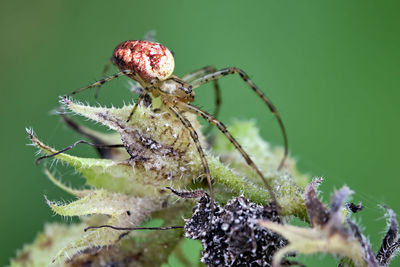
(330, 233)
(65, 100)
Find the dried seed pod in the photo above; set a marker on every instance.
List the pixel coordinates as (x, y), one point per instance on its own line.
(233, 238)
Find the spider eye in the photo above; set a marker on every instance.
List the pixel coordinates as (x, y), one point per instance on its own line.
(148, 59)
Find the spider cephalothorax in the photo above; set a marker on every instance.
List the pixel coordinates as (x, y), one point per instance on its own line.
(152, 65)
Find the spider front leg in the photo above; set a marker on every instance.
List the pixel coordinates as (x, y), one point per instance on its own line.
(140, 98)
(103, 74)
(103, 81)
(196, 141)
(190, 77)
(224, 130)
(38, 160)
(228, 71)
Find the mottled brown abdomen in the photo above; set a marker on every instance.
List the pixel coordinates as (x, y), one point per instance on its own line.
(148, 59)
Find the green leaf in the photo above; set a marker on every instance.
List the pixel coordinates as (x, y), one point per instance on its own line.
(123, 211)
(163, 154)
(41, 252)
(115, 176)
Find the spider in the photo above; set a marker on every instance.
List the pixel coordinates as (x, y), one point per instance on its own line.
(152, 64)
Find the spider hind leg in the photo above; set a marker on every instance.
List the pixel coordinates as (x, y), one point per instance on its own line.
(233, 70)
(196, 141)
(224, 130)
(192, 76)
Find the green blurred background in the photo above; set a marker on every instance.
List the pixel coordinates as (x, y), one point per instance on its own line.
(331, 68)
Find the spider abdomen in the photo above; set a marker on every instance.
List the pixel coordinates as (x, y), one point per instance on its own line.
(147, 59)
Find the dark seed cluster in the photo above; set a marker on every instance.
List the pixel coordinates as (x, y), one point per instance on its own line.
(231, 237)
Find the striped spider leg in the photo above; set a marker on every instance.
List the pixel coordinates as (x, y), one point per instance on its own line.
(233, 70)
(103, 75)
(190, 77)
(196, 141)
(193, 109)
(39, 159)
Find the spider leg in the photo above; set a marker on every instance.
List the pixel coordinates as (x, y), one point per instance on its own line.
(103, 74)
(228, 71)
(132, 228)
(104, 153)
(195, 138)
(38, 160)
(228, 135)
(103, 81)
(194, 75)
(140, 98)
(200, 73)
